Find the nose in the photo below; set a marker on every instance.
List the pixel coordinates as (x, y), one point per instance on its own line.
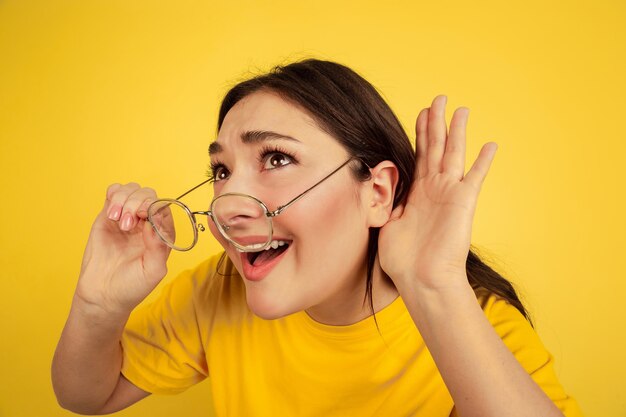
(235, 211)
(241, 219)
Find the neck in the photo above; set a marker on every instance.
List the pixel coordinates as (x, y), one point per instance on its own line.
(348, 306)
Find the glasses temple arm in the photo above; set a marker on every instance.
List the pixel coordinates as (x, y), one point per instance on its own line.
(283, 207)
(197, 186)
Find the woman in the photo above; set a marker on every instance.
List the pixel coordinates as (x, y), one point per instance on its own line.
(348, 286)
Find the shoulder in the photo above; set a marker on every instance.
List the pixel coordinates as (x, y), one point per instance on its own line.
(210, 285)
(518, 334)
(497, 308)
(201, 292)
(523, 341)
(514, 329)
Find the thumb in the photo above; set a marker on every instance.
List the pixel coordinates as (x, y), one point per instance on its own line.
(155, 256)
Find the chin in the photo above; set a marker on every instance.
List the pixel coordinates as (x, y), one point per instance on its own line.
(266, 307)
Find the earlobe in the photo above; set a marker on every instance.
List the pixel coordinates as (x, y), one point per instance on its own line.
(383, 186)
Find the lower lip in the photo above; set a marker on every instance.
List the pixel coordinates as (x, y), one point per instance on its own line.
(257, 273)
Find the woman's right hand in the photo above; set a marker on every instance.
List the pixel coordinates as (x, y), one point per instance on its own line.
(124, 259)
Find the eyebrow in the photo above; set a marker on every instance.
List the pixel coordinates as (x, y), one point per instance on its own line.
(253, 136)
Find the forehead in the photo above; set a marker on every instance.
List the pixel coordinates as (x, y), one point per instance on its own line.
(267, 111)
(268, 106)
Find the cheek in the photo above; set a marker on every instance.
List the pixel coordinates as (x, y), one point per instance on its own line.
(342, 208)
(335, 223)
(218, 236)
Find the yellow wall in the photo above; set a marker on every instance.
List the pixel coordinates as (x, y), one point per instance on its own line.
(95, 92)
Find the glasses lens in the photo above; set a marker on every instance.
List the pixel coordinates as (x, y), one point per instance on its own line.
(243, 221)
(172, 221)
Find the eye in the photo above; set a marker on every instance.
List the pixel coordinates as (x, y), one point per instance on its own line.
(273, 157)
(218, 172)
(276, 160)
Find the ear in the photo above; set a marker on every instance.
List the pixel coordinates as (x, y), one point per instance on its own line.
(381, 190)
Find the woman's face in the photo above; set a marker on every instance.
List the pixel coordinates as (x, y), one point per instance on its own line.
(273, 150)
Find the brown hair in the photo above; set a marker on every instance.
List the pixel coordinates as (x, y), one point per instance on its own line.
(349, 108)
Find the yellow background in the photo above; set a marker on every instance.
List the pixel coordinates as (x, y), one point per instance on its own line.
(95, 92)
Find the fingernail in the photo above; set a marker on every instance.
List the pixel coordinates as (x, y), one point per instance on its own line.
(114, 212)
(126, 222)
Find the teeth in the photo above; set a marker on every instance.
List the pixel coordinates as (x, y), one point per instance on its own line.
(275, 244)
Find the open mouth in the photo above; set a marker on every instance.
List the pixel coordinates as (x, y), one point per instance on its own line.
(265, 256)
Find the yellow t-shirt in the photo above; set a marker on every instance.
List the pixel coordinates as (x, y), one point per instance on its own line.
(201, 326)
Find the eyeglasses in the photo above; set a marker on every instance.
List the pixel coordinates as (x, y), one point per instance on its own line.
(245, 221)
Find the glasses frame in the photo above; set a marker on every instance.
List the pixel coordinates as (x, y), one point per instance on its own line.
(198, 226)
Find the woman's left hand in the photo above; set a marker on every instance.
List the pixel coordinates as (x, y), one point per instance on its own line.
(426, 241)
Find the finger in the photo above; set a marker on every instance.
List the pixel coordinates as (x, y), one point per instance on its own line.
(135, 207)
(142, 210)
(112, 189)
(116, 197)
(421, 139)
(454, 157)
(155, 257)
(437, 134)
(113, 213)
(477, 174)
